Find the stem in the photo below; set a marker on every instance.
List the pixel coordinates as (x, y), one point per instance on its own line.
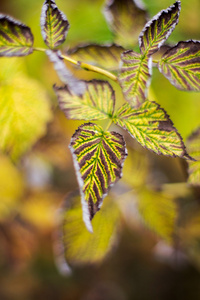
(39, 49)
(92, 68)
(84, 66)
(109, 124)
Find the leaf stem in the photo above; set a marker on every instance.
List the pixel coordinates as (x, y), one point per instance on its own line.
(92, 68)
(39, 49)
(83, 65)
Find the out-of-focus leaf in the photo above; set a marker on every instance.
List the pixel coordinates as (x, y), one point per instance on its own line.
(126, 19)
(181, 65)
(134, 77)
(105, 56)
(135, 169)
(16, 39)
(152, 128)
(11, 187)
(96, 103)
(54, 24)
(193, 145)
(76, 86)
(158, 29)
(159, 212)
(24, 111)
(39, 209)
(81, 246)
(98, 159)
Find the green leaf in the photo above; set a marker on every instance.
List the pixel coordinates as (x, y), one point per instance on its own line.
(54, 24)
(134, 77)
(97, 103)
(75, 85)
(98, 159)
(16, 39)
(126, 19)
(152, 128)
(105, 56)
(24, 110)
(159, 211)
(181, 65)
(81, 246)
(193, 145)
(158, 29)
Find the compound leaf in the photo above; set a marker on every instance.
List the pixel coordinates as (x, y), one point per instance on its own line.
(134, 77)
(98, 159)
(152, 128)
(181, 65)
(24, 110)
(159, 212)
(97, 103)
(54, 24)
(193, 145)
(74, 85)
(16, 39)
(158, 29)
(126, 19)
(105, 56)
(81, 246)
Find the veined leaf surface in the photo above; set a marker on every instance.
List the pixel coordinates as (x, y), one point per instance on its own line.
(152, 128)
(54, 24)
(16, 39)
(80, 245)
(75, 85)
(181, 65)
(134, 77)
(98, 159)
(126, 19)
(193, 144)
(97, 103)
(158, 29)
(105, 56)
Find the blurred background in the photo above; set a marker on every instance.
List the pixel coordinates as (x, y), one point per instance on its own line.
(149, 228)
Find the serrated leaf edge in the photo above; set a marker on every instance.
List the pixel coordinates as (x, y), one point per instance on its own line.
(155, 18)
(184, 153)
(43, 17)
(86, 213)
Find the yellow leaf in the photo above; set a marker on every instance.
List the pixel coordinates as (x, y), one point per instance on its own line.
(82, 246)
(11, 187)
(24, 110)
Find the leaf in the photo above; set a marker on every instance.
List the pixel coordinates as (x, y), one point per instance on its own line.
(81, 246)
(105, 56)
(24, 110)
(193, 145)
(16, 39)
(97, 103)
(54, 24)
(75, 85)
(98, 158)
(158, 29)
(134, 77)
(126, 19)
(11, 187)
(159, 212)
(181, 65)
(152, 128)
